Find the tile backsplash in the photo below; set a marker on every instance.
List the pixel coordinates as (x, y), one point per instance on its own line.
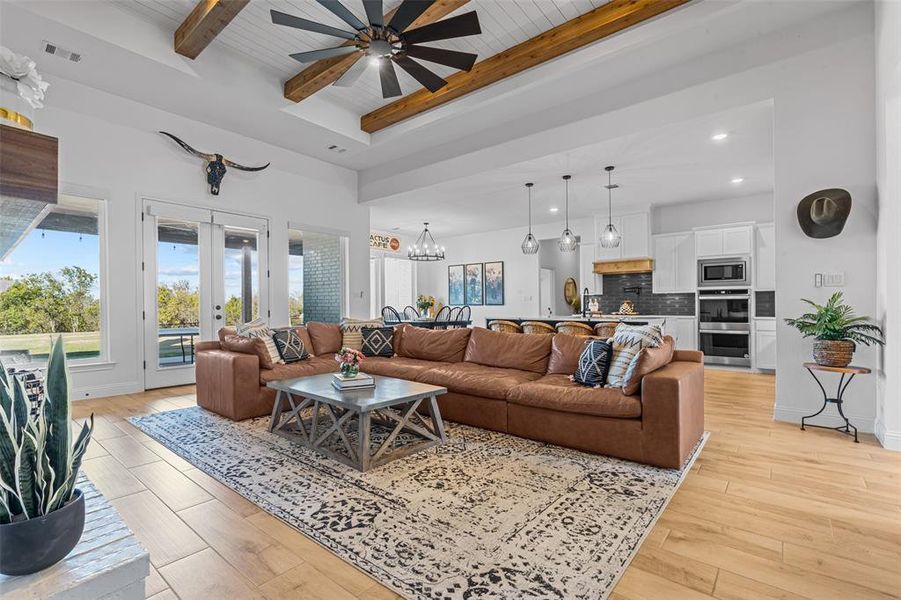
(625, 287)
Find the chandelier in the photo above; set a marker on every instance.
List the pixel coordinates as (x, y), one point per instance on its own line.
(567, 241)
(610, 237)
(530, 244)
(425, 248)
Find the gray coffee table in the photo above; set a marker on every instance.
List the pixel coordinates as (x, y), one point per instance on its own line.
(297, 415)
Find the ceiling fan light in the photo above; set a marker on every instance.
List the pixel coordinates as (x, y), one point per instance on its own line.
(530, 245)
(610, 237)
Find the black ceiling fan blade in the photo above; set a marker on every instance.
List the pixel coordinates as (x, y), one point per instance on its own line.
(280, 18)
(390, 84)
(314, 55)
(374, 12)
(351, 75)
(459, 26)
(449, 58)
(342, 12)
(428, 79)
(407, 12)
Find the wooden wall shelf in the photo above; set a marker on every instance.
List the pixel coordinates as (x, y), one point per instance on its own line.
(623, 266)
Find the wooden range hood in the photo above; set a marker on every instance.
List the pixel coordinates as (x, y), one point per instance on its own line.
(623, 266)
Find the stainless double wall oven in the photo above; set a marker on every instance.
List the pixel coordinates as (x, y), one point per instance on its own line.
(724, 326)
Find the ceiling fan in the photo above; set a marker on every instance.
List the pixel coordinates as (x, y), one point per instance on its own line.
(387, 43)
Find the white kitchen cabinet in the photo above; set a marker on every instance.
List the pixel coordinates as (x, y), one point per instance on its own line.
(674, 263)
(765, 344)
(765, 261)
(587, 277)
(684, 331)
(635, 232)
(724, 241)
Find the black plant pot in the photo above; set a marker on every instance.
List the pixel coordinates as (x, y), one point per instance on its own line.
(30, 546)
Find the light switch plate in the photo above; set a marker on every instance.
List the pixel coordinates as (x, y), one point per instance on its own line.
(836, 279)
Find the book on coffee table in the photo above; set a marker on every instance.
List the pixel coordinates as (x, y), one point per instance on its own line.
(361, 380)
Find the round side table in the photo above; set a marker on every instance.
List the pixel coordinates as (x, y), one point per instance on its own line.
(849, 371)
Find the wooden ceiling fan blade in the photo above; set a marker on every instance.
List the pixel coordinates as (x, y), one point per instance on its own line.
(459, 26)
(449, 58)
(407, 12)
(314, 55)
(343, 13)
(390, 84)
(374, 12)
(351, 75)
(428, 79)
(280, 18)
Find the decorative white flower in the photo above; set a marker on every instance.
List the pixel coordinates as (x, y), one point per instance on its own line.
(29, 84)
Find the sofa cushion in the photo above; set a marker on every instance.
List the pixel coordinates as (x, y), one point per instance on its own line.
(565, 353)
(398, 366)
(594, 364)
(290, 345)
(648, 361)
(326, 337)
(522, 351)
(442, 345)
(259, 329)
(477, 380)
(378, 341)
(247, 345)
(225, 332)
(313, 366)
(352, 331)
(557, 392)
(628, 341)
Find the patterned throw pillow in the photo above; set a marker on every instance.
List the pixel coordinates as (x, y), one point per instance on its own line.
(378, 341)
(352, 330)
(259, 329)
(628, 341)
(594, 363)
(290, 347)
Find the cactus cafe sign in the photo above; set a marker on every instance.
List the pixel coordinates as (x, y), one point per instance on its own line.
(384, 243)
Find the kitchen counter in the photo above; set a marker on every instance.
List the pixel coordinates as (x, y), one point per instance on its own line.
(592, 321)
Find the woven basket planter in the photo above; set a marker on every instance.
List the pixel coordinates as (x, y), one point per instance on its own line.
(833, 353)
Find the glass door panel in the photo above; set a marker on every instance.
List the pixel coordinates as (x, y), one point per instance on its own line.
(177, 291)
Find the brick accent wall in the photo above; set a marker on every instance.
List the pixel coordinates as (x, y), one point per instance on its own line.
(321, 277)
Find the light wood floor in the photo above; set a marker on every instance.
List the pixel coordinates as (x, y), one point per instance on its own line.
(768, 511)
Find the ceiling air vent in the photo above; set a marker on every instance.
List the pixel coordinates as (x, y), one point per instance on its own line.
(336, 148)
(51, 48)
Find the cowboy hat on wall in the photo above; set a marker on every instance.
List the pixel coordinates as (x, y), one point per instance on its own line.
(823, 214)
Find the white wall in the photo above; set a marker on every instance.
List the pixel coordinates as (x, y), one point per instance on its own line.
(564, 265)
(888, 244)
(684, 216)
(109, 145)
(520, 271)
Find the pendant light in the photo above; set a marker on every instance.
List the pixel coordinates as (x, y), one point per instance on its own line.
(610, 237)
(421, 250)
(530, 244)
(567, 242)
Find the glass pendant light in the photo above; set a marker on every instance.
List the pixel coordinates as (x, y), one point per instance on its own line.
(567, 242)
(610, 237)
(421, 250)
(529, 244)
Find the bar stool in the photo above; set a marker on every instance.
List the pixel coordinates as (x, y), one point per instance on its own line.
(505, 327)
(605, 330)
(537, 327)
(575, 328)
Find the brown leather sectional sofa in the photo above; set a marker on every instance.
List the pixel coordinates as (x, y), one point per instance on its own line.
(507, 382)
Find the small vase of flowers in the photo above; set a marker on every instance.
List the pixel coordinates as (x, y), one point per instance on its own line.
(424, 303)
(350, 360)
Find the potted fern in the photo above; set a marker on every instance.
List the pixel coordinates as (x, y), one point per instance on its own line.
(836, 331)
(41, 510)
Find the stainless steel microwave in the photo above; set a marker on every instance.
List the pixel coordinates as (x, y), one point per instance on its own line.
(720, 272)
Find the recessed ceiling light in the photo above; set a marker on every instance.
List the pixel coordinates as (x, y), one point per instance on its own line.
(553, 209)
(737, 180)
(718, 137)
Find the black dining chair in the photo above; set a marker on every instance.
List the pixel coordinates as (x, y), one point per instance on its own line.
(410, 313)
(455, 315)
(390, 315)
(465, 314)
(443, 316)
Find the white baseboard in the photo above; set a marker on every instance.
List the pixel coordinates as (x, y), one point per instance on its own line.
(102, 391)
(829, 418)
(888, 439)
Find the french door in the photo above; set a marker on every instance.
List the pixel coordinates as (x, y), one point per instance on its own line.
(203, 269)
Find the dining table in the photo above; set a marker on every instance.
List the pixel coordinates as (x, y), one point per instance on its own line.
(430, 323)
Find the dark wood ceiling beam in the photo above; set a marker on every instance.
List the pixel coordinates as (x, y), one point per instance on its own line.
(594, 25)
(325, 72)
(205, 22)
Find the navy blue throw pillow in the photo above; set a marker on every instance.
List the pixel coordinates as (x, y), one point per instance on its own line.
(378, 341)
(594, 362)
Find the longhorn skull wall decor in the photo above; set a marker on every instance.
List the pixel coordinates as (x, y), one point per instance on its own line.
(216, 164)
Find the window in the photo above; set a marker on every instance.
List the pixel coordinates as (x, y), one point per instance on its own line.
(50, 279)
(316, 276)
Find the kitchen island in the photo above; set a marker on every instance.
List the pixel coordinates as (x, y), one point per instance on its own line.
(590, 321)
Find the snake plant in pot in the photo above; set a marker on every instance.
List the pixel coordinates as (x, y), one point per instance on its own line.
(836, 331)
(41, 510)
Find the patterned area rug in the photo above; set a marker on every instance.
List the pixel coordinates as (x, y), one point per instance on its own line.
(486, 515)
